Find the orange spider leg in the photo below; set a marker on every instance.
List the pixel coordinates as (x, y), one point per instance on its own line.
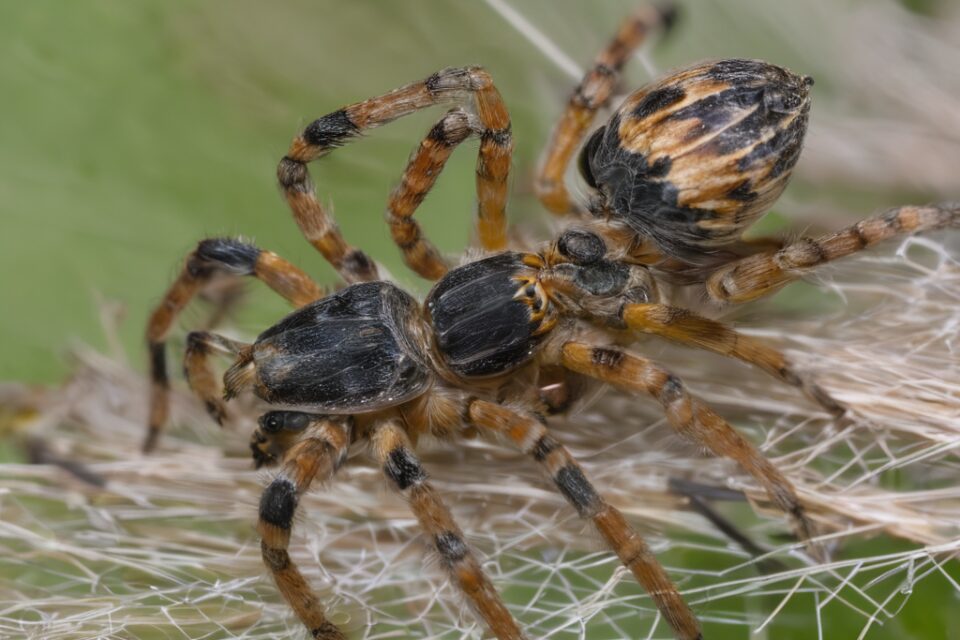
(421, 173)
(533, 439)
(591, 95)
(220, 255)
(449, 86)
(691, 418)
(687, 328)
(318, 454)
(394, 452)
(200, 376)
(765, 273)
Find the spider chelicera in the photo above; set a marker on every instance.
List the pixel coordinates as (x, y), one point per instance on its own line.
(677, 174)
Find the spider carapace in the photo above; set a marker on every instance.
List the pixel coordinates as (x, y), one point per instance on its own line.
(677, 173)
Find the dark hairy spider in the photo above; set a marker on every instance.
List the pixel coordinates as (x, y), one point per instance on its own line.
(677, 174)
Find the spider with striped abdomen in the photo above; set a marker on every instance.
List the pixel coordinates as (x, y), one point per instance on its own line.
(677, 174)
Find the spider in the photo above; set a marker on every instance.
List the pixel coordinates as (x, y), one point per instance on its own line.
(677, 174)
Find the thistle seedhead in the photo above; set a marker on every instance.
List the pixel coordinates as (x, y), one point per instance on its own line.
(697, 157)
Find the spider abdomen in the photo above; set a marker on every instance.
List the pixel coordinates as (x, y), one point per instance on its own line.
(349, 352)
(697, 157)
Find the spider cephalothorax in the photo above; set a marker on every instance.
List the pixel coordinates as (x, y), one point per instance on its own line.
(489, 316)
(677, 173)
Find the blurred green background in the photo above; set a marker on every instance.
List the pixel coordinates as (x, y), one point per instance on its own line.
(130, 130)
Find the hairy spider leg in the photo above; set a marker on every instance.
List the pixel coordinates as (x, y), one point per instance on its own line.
(394, 453)
(592, 94)
(688, 328)
(459, 86)
(211, 257)
(421, 173)
(200, 375)
(765, 273)
(317, 455)
(691, 419)
(533, 439)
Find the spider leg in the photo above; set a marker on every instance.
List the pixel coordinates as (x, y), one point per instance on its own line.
(394, 452)
(690, 418)
(765, 273)
(687, 328)
(212, 256)
(592, 94)
(317, 455)
(421, 173)
(458, 86)
(200, 376)
(533, 438)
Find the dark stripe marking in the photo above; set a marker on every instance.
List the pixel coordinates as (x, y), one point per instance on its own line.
(577, 489)
(660, 168)
(609, 358)
(499, 137)
(404, 469)
(278, 503)
(330, 130)
(226, 254)
(359, 263)
(433, 83)
(543, 447)
(326, 631)
(158, 363)
(742, 193)
(657, 100)
(893, 220)
(451, 130)
(451, 546)
(292, 174)
(672, 389)
(197, 343)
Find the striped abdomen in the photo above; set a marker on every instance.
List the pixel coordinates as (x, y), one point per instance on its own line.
(694, 159)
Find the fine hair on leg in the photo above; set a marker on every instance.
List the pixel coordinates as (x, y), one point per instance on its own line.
(394, 452)
(533, 438)
(456, 86)
(317, 455)
(692, 419)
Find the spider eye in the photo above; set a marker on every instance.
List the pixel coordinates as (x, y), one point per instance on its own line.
(272, 422)
(587, 153)
(581, 247)
(275, 421)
